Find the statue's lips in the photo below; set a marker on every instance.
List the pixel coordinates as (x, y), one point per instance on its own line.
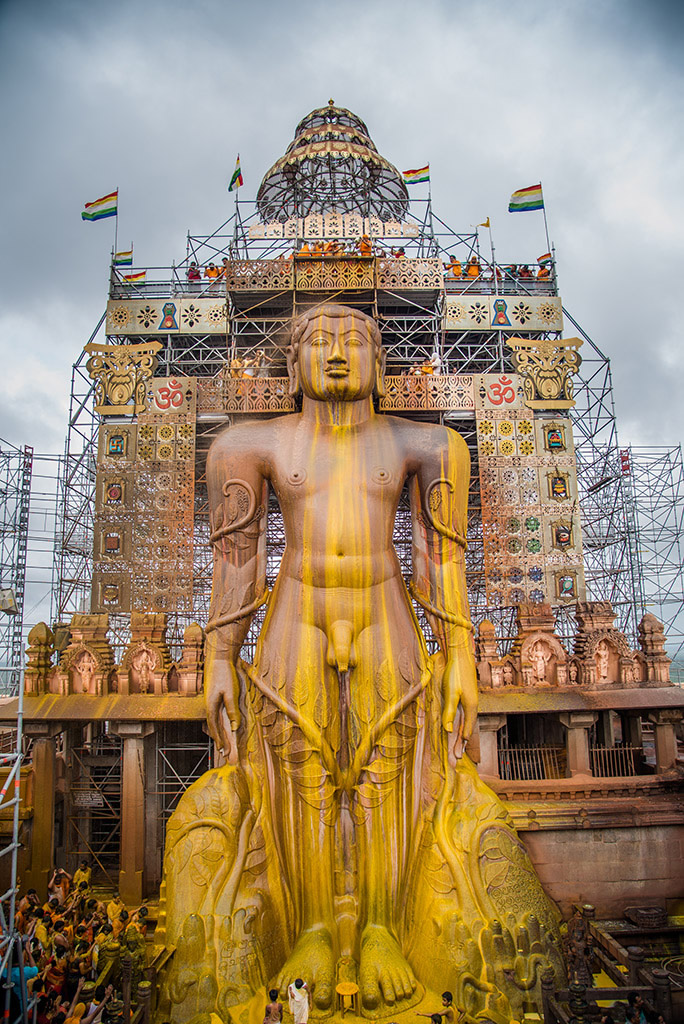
(337, 371)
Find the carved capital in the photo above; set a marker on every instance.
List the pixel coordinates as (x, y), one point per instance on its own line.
(120, 373)
(547, 368)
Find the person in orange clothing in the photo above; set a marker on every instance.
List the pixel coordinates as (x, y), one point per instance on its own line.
(454, 269)
(544, 272)
(473, 267)
(119, 924)
(365, 246)
(304, 251)
(332, 248)
(211, 271)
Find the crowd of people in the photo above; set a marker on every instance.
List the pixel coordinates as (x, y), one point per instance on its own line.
(68, 943)
(455, 270)
(471, 270)
(71, 941)
(634, 1011)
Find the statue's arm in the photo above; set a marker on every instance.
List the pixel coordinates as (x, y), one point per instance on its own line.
(238, 499)
(439, 498)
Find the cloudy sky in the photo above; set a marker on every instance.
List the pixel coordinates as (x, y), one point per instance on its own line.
(158, 97)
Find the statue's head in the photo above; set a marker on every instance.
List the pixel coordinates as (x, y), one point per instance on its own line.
(336, 354)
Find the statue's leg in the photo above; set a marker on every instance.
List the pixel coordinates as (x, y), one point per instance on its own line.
(387, 692)
(297, 691)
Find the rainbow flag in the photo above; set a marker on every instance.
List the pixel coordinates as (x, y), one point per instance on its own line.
(236, 180)
(546, 258)
(136, 278)
(123, 259)
(526, 199)
(416, 175)
(101, 208)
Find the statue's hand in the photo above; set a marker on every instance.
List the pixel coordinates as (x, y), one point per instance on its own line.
(459, 686)
(223, 708)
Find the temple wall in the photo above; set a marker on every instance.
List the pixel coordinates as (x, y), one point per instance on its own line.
(611, 868)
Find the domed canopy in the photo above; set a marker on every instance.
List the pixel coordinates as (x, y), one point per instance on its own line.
(332, 164)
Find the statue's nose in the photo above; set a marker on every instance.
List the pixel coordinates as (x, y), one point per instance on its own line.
(336, 353)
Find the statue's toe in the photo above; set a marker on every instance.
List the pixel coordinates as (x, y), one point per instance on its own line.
(387, 986)
(322, 995)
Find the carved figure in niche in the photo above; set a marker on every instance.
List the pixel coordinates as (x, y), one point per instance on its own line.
(143, 665)
(602, 661)
(574, 673)
(497, 675)
(540, 656)
(86, 667)
(508, 674)
(344, 725)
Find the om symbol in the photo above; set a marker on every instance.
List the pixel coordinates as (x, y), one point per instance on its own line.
(169, 397)
(502, 391)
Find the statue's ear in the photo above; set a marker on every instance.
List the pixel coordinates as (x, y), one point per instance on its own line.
(292, 358)
(380, 361)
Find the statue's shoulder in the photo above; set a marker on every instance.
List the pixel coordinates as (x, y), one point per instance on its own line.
(251, 437)
(431, 436)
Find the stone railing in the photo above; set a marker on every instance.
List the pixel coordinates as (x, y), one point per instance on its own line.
(333, 273)
(235, 396)
(242, 395)
(430, 392)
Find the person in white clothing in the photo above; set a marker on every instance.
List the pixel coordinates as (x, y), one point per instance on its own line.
(298, 996)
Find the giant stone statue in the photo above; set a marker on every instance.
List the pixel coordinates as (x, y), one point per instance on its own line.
(348, 836)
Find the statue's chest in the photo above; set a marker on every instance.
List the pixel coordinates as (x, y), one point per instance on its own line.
(349, 471)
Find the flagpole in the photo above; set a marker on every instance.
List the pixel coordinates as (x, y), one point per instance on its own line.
(116, 222)
(491, 246)
(546, 223)
(432, 227)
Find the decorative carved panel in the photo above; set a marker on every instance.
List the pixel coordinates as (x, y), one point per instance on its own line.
(547, 368)
(120, 373)
(333, 274)
(481, 312)
(144, 538)
(405, 274)
(198, 315)
(259, 275)
(429, 392)
(530, 516)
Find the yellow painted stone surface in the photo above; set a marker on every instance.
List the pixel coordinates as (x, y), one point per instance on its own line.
(348, 836)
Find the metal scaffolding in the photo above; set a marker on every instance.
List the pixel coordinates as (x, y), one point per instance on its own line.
(11, 946)
(73, 553)
(15, 505)
(415, 328)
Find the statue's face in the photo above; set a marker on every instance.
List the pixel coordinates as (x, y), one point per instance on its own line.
(337, 359)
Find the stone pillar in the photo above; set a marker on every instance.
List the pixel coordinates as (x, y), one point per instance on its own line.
(606, 732)
(662, 988)
(43, 760)
(132, 857)
(489, 753)
(664, 721)
(631, 730)
(578, 724)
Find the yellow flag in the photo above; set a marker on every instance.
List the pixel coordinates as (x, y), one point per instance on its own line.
(484, 224)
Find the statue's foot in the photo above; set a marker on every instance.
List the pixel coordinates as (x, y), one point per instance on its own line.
(311, 959)
(384, 974)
